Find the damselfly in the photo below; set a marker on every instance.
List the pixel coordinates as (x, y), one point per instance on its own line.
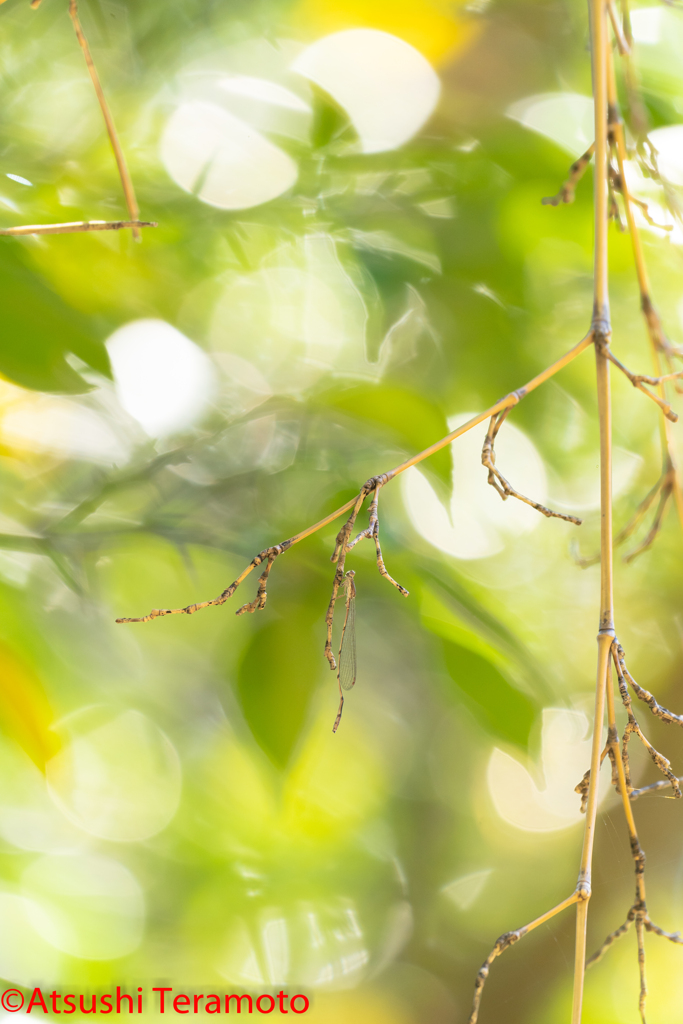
(346, 662)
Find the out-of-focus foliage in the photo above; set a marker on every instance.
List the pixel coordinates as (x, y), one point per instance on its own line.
(351, 255)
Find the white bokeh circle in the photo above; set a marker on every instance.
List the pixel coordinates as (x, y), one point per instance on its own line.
(565, 755)
(162, 378)
(388, 89)
(26, 958)
(478, 523)
(87, 906)
(567, 118)
(223, 160)
(119, 779)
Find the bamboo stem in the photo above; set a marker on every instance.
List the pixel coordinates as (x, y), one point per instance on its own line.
(601, 332)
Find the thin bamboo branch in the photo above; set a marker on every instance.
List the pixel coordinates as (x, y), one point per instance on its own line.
(507, 940)
(504, 403)
(78, 225)
(124, 174)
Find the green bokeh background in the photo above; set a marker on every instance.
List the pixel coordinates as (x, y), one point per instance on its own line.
(322, 864)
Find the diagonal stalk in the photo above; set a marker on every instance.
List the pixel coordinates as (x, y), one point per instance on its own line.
(601, 331)
(124, 173)
(649, 312)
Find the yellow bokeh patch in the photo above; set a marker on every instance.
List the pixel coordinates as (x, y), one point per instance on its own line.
(25, 712)
(434, 27)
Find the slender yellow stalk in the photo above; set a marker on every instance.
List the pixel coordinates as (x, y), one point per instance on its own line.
(601, 331)
(651, 316)
(585, 872)
(124, 173)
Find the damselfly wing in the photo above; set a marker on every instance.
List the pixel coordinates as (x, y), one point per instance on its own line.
(346, 673)
(347, 647)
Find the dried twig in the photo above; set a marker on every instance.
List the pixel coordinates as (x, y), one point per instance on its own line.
(638, 911)
(124, 174)
(498, 481)
(78, 225)
(577, 170)
(372, 531)
(259, 602)
(652, 788)
(639, 381)
(339, 556)
(657, 709)
(583, 786)
(632, 726)
(269, 554)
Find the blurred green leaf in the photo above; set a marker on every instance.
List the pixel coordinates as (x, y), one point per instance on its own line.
(39, 330)
(276, 680)
(330, 121)
(450, 606)
(415, 423)
(497, 705)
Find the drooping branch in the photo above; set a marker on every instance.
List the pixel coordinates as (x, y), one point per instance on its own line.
(657, 709)
(633, 728)
(372, 532)
(639, 381)
(498, 481)
(663, 489)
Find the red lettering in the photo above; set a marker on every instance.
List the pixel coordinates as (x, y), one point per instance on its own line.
(196, 1001)
(139, 1000)
(260, 1008)
(36, 997)
(162, 997)
(239, 1003)
(93, 1004)
(106, 1001)
(119, 999)
(185, 1003)
(291, 1003)
(54, 997)
(71, 1005)
(213, 1004)
(281, 996)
